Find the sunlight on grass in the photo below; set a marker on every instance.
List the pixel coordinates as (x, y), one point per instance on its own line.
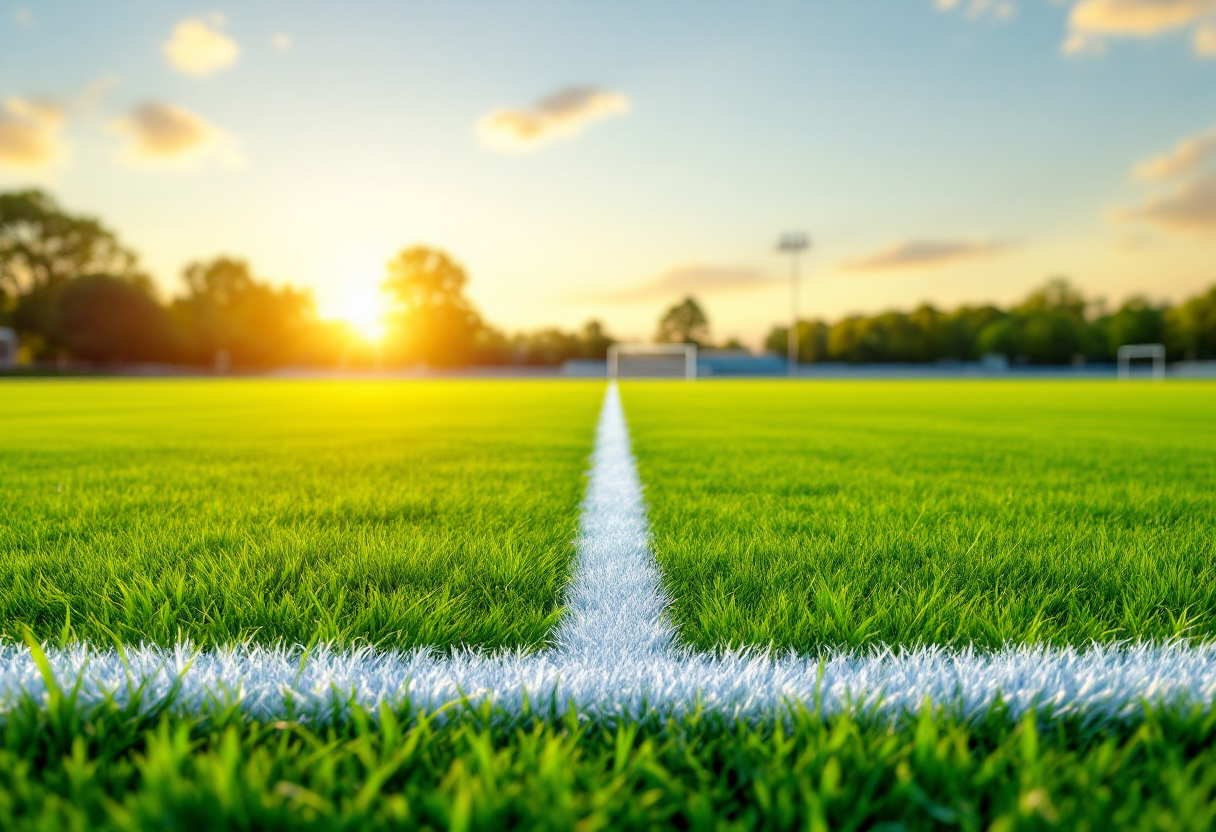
(401, 514)
(856, 513)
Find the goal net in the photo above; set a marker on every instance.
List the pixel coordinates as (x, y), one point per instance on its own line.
(652, 361)
(1131, 352)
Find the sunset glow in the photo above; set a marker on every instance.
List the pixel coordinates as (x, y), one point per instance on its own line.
(365, 311)
(942, 152)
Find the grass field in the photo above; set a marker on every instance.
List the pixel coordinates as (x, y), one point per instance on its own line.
(108, 769)
(445, 513)
(427, 513)
(851, 513)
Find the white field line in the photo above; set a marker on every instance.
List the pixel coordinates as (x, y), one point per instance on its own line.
(615, 602)
(615, 654)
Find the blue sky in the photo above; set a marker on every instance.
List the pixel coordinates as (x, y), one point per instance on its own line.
(934, 151)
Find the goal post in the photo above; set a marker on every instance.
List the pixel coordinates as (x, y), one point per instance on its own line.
(652, 361)
(1128, 352)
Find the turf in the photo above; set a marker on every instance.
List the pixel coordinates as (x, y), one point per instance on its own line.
(392, 513)
(853, 513)
(116, 768)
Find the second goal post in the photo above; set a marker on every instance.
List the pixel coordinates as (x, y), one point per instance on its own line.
(652, 361)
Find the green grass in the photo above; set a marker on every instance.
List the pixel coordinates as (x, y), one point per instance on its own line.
(401, 514)
(852, 513)
(111, 768)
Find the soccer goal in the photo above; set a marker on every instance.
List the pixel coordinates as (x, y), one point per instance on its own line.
(652, 361)
(1129, 352)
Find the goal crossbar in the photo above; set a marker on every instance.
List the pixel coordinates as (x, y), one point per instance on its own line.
(687, 351)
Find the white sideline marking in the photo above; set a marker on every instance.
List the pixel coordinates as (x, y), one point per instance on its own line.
(615, 654)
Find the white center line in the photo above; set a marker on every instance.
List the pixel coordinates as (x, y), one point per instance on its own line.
(615, 603)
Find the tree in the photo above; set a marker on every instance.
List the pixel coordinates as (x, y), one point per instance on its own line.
(1057, 296)
(1001, 337)
(684, 323)
(595, 340)
(41, 249)
(1053, 327)
(856, 339)
(433, 322)
(1190, 329)
(227, 310)
(1136, 322)
(113, 320)
(812, 341)
(967, 324)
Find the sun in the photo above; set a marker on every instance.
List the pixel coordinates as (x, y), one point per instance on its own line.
(365, 311)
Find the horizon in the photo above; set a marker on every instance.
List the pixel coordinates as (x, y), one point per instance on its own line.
(604, 163)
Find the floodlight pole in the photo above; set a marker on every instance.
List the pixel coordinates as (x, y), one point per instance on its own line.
(793, 243)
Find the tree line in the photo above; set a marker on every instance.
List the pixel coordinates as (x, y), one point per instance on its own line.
(75, 293)
(1054, 325)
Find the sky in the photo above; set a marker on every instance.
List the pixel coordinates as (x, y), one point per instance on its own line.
(586, 159)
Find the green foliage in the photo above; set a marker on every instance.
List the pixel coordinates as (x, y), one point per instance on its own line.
(684, 323)
(114, 768)
(812, 341)
(401, 514)
(113, 320)
(1191, 327)
(42, 247)
(1136, 322)
(930, 513)
(1054, 325)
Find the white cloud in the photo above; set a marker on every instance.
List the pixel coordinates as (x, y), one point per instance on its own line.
(1092, 21)
(561, 115)
(199, 48)
(980, 9)
(164, 134)
(1189, 205)
(924, 254)
(1138, 17)
(89, 99)
(1204, 41)
(1189, 208)
(30, 134)
(693, 279)
(1080, 43)
(281, 41)
(1188, 157)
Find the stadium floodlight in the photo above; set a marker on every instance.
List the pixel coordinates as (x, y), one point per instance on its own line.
(1156, 352)
(793, 243)
(652, 361)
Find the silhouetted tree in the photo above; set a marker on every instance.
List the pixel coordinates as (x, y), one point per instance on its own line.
(595, 341)
(226, 310)
(113, 320)
(545, 347)
(684, 323)
(433, 322)
(41, 249)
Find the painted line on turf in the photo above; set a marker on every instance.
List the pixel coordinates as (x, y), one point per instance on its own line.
(615, 654)
(615, 602)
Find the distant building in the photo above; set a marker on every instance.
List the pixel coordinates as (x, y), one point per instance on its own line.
(8, 347)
